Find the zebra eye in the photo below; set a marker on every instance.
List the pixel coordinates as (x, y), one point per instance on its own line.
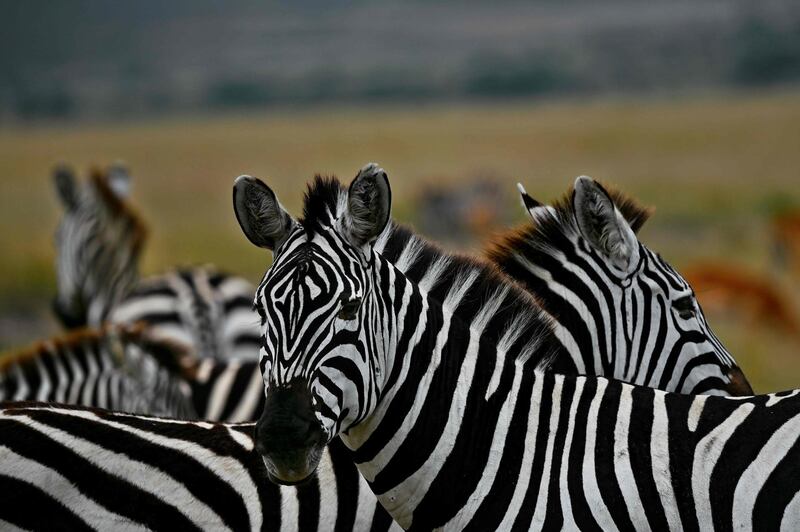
(685, 307)
(349, 309)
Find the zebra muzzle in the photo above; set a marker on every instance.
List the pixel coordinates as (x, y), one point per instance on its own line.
(288, 435)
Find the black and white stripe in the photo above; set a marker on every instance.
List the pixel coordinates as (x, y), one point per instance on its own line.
(98, 245)
(99, 241)
(430, 369)
(83, 468)
(118, 368)
(202, 307)
(230, 391)
(636, 319)
(126, 369)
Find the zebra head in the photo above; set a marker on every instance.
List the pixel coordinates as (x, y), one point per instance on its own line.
(583, 260)
(317, 302)
(98, 242)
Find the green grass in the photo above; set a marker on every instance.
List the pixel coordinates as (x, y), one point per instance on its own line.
(714, 166)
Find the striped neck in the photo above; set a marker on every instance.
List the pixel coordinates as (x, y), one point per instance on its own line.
(642, 325)
(454, 344)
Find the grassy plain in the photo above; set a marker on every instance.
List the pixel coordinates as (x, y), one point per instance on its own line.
(715, 166)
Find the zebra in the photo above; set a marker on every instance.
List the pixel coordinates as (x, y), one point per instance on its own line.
(116, 367)
(432, 369)
(620, 309)
(99, 241)
(88, 468)
(131, 368)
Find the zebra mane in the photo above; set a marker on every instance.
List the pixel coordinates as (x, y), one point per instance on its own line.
(171, 355)
(117, 208)
(57, 344)
(557, 223)
(506, 313)
(324, 201)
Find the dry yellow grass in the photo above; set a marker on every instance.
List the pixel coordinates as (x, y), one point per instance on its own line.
(713, 166)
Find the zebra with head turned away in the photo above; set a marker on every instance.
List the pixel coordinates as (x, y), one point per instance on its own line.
(430, 368)
(620, 309)
(98, 243)
(117, 367)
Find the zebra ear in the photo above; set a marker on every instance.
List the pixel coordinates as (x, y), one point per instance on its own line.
(262, 218)
(66, 186)
(535, 209)
(119, 179)
(369, 204)
(603, 226)
(528, 202)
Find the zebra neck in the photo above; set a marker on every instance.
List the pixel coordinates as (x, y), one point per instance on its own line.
(441, 366)
(594, 321)
(106, 293)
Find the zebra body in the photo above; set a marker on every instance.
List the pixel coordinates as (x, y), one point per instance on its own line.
(620, 309)
(230, 391)
(431, 369)
(119, 368)
(202, 307)
(91, 468)
(99, 241)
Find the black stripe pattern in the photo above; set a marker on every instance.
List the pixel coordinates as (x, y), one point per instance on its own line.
(91, 469)
(118, 368)
(438, 385)
(641, 324)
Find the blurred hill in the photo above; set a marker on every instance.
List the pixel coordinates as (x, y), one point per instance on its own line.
(103, 59)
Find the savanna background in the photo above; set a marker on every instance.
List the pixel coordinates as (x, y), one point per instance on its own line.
(692, 107)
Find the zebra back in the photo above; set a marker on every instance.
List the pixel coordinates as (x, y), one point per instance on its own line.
(201, 307)
(621, 310)
(119, 368)
(87, 468)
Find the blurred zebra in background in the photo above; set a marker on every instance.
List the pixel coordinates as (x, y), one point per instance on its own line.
(117, 367)
(128, 368)
(99, 241)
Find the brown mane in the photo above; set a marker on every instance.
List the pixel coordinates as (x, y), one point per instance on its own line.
(545, 230)
(30, 353)
(118, 208)
(173, 356)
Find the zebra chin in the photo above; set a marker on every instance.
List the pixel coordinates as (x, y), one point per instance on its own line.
(288, 435)
(296, 473)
